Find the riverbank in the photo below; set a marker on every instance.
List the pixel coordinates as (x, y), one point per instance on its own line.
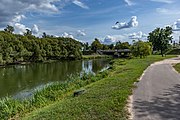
(95, 56)
(104, 99)
(84, 57)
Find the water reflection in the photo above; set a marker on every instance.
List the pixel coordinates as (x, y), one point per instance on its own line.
(21, 80)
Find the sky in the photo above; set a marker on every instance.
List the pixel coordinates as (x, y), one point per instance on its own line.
(84, 20)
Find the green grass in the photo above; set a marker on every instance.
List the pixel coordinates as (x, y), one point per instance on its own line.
(104, 99)
(177, 67)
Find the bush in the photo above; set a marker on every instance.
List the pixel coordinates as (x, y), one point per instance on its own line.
(141, 49)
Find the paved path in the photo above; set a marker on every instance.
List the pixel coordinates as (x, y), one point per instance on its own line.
(157, 96)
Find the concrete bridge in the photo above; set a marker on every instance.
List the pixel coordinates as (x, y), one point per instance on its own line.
(116, 53)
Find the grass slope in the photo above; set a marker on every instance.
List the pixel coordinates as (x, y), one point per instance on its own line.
(177, 67)
(103, 100)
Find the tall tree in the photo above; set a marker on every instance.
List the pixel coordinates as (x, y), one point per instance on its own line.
(9, 29)
(160, 38)
(96, 45)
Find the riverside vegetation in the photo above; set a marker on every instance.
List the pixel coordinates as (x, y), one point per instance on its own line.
(16, 48)
(105, 94)
(105, 97)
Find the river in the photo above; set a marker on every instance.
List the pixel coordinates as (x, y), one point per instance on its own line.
(20, 81)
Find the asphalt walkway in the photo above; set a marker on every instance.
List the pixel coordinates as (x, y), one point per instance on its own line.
(157, 96)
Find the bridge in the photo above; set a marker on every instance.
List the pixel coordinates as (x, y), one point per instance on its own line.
(116, 53)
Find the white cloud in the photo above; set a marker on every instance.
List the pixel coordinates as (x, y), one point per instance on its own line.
(164, 1)
(80, 4)
(35, 29)
(132, 23)
(80, 33)
(168, 11)
(109, 39)
(129, 2)
(176, 26)
(20, 28)
(18, 18)
(138, 35)
(112, 39)
(14, 10)
(67, 35)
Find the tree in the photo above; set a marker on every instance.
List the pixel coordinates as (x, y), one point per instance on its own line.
(28, 32)
(160, 38)
(123, 45)
(111, 46)
(44, 35)
(104, 47)
(9, 29)
(86, 46)
(96, 45)
(141, 49)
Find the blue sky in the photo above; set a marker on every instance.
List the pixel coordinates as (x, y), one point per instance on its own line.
(88, 19)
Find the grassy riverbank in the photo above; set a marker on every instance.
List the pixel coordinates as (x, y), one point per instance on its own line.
(105, 97)
(177, 67)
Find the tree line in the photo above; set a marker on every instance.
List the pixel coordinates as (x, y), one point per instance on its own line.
(15, 48)
(158, 40)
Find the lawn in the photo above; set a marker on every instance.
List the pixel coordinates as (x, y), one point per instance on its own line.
(105, 99)
(177, 67)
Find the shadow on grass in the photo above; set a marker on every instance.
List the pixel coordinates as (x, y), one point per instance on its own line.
(166, 106)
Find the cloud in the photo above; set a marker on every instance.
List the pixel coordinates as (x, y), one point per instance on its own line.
(67, 35)
(132, 23)
(112, 39)
(14, 10)
(176, 26)
(80, 4)
(129, 2)
(109, 39)
(20, 28)
(168, 11)
(18, 18)
(35, 29)
(138, 35)
(164, 1)
(80, 33)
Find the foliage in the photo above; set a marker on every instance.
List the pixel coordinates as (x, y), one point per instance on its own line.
(16, 48)
(141, 49)
(111, 46)
(123, 45)
(96, 45)
(86, 46)
(160, 38)
(28, 32)
(9, 29)
(177, 67)
(173, 52)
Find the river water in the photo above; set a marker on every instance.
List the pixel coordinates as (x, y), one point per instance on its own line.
(20, 81)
